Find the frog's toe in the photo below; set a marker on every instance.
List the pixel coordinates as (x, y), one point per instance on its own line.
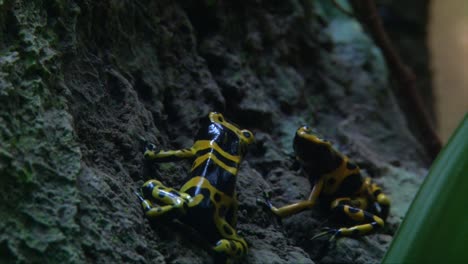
(265, 204)
(139, 196)
(327, 231)
(150, 151)
(150, 147)
(266, 195)
(265, 200)
(145, 204)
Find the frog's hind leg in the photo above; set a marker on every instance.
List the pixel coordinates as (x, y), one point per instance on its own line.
(352, 209)
(225, 218)
(382, 203)
(170, 199)
(231, 244)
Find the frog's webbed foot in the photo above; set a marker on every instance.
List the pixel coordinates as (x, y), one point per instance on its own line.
(265, 203)
(152, 210)
(150, 150)
(332, 232)
(139, 196)
(231, 248)
(146, 204)
(142, 141)
(265, 200)
(170, 199)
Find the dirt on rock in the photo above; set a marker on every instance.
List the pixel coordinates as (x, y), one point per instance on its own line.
(83, 84)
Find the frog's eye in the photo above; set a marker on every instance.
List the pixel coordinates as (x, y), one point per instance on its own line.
(306, 128)
(248, 136)
(220, 119)
(303, 130)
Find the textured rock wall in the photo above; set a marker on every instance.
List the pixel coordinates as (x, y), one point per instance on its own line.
(84, 83)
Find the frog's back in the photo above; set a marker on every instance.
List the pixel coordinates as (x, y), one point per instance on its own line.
(217, 159)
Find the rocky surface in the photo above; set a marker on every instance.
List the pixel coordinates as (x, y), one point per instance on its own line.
(407, 26)
(84, 83)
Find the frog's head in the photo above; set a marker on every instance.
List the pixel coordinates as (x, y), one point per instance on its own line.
(316, 154)
(246, 137)
(310, 147)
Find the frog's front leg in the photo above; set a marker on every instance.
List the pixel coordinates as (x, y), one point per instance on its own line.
(167, 155)
(168, 197)
(294, 208)
(349, 208)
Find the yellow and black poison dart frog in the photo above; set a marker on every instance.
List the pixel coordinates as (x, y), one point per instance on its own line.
(337, 182)
(208, 200)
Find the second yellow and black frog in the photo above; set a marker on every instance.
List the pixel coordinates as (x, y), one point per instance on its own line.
(208, 200)
(338, 183)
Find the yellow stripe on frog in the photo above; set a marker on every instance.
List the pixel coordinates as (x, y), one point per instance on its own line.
(200, 160)
(205, 144)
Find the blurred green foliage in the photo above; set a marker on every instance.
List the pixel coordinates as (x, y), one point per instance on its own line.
(435, 229)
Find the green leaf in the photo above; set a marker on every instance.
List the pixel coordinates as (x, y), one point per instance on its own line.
(435, 229)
